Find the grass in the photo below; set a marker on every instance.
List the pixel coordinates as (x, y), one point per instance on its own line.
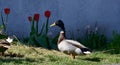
(26, 55)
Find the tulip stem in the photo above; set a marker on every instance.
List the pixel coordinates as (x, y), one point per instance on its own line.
(6, 19)
(6, 22)
(37, 27)
(32, 28)
(47, 40)
(47, 26)
(3, 23)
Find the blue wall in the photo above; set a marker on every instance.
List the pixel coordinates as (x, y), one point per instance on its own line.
(76, 15)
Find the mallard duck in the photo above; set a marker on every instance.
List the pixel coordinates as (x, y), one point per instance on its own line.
(5, 44)
(67, 46)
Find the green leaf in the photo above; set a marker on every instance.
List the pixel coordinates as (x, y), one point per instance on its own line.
(42, 29)
(1, 27)
(32, 39)
(53, 45)
(55, 39)
(33, 31)
(37, 27)
(47, 25)
(3, 23)
(41, 41)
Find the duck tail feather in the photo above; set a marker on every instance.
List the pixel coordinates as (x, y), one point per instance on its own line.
(86, 51)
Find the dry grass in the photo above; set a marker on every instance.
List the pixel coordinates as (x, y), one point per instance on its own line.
(26, 55)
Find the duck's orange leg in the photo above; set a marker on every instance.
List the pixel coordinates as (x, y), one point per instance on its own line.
(72, 55)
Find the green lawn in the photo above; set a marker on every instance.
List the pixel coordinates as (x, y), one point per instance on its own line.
(24, 55)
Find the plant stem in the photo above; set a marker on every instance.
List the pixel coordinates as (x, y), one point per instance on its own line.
(42, 29)
(32, 24)
(32, 28)
(6, 19)
(6, 22)
(47, 39)
(47, 26)
(3, 23)
(48, 44)
(37, 27)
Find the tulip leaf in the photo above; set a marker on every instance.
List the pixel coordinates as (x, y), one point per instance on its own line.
(42, 29)
(52, 45)
(41, 41)
(3, 23)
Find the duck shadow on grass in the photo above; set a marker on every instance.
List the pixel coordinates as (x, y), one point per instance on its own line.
(95, 59)
(16, 58)
(13, 55)
(19, 58)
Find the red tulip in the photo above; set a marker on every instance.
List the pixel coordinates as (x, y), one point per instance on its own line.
(36, 17)
(7, 10)
(47, 13)
(30, 18)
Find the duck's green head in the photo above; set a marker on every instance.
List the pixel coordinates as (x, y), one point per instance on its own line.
(58, 23)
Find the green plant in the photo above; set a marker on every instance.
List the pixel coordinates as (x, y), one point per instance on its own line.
(3, 36)
(41, 56)
(40, 38)
(34, 35)
(94, 40)
(4, 22)
(115, 43)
